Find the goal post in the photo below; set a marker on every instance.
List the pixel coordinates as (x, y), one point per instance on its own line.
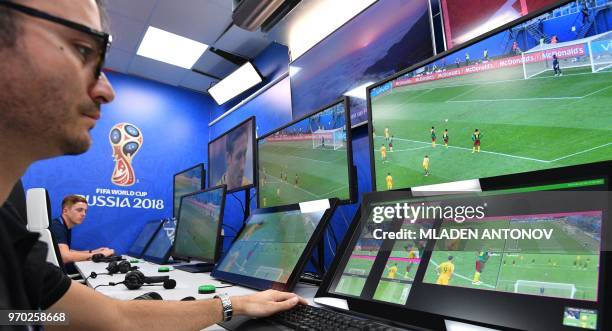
(538, 61)
(560, 290)
(600, 51)
(328, 139)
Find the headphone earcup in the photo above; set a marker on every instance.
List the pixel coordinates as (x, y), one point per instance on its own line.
(169, 284)
(112, 268)
(124, 267)
(134, 280)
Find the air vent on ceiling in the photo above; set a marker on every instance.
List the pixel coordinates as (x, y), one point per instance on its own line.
(251, 14)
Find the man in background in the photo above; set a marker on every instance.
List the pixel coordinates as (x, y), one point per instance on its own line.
(236, 146)
(74, 210)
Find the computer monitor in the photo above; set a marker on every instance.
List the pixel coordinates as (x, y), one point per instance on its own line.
(231, 157)
(308, 159)
(457, 263)
(274, 246)
(161, 245)
(198, 228)
(504, 106)
(144, 238)
(187, 181)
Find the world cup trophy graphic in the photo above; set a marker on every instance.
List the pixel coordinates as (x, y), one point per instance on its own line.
(126, 140)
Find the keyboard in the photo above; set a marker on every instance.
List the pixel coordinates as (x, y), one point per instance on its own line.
(304, 317)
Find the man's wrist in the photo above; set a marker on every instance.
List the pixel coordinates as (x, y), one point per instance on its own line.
(237, 305)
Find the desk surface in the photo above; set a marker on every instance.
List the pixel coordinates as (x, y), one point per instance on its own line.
(186, 284)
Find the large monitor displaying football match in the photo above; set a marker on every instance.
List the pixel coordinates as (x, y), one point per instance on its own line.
(187, 181)
(509, 103)
(231, 157)
(309, 159)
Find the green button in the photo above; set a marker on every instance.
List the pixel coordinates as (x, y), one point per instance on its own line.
(206, 289)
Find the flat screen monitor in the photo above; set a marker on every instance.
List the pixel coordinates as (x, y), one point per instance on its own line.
(198, 228)
(273, 247)
(308, 159)
(231, 157)
(161, 245)
(497, 105)
(512, 256)
(187, 181)
(144, 238)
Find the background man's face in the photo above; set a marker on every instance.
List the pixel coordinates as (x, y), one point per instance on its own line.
(48, 94)
(75, 214)
(236, 161)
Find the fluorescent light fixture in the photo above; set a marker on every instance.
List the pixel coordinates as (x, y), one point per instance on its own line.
(359, 92)
(319, 19)
(237, 82)
(167, 47)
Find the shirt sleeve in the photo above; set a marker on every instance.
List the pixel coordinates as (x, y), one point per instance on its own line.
(59, 232)
(46, 283)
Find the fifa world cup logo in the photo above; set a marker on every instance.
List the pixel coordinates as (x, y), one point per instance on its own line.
(126, 140)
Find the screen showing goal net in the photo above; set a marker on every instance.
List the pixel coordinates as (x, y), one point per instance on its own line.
(306, 160)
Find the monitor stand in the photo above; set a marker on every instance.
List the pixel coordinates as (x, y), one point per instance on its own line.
(196, 267)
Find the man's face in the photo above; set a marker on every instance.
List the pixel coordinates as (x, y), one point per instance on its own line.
(49, 98)
(75, 214)
(236, 161)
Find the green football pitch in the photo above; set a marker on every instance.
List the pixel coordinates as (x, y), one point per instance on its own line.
(198, 237)
(322, 173)
(539, 123)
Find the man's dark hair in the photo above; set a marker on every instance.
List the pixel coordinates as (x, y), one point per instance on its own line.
(72, 200)
(233, 136)
(9, 24)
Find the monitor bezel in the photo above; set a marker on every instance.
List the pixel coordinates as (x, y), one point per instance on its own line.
(349, 148)
(202, 183)
(219, 239)
(138, 255)
(163, 259)
(423, 63)
(253, 148)
(391, 311)
(264, 284)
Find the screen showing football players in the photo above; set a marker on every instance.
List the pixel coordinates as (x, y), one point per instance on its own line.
(186, 182)
(514, 102)
(305, 161)
(271, 244)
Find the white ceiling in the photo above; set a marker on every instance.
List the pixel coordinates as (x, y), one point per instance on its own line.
(200, 20)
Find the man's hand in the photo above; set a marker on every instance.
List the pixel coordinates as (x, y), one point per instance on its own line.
(265, 303)
(107, 251)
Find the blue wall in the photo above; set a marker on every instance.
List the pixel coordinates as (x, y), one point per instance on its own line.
(174, 126)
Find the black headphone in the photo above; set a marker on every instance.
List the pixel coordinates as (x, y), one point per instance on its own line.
(136, 279)
(121, 267)
(99, 257)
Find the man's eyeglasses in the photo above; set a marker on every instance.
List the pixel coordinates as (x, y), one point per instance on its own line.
(102, 39)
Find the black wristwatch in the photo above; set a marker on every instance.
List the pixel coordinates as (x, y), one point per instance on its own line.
(227, 306)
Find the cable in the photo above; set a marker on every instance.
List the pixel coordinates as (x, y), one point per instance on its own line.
(344, 217)
(231, 228)
(241, 204)
(109, 284)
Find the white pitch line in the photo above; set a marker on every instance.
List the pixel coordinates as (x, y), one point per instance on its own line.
(338, 189)
(586, 150)
(517, 99)
(605, 88)
(307, 159)
(464, 93)
(463, 277)
(297, 187)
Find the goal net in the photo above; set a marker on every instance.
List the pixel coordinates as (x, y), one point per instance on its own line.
(594, 52)
(328, 139)
(560, 290)
(601, 52)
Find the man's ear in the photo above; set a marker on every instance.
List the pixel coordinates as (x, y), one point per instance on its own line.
(64, 210)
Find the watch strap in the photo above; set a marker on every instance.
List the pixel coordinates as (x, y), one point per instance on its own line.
(226, 304)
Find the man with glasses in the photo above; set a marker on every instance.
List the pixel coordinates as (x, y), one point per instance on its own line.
(51, 90)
